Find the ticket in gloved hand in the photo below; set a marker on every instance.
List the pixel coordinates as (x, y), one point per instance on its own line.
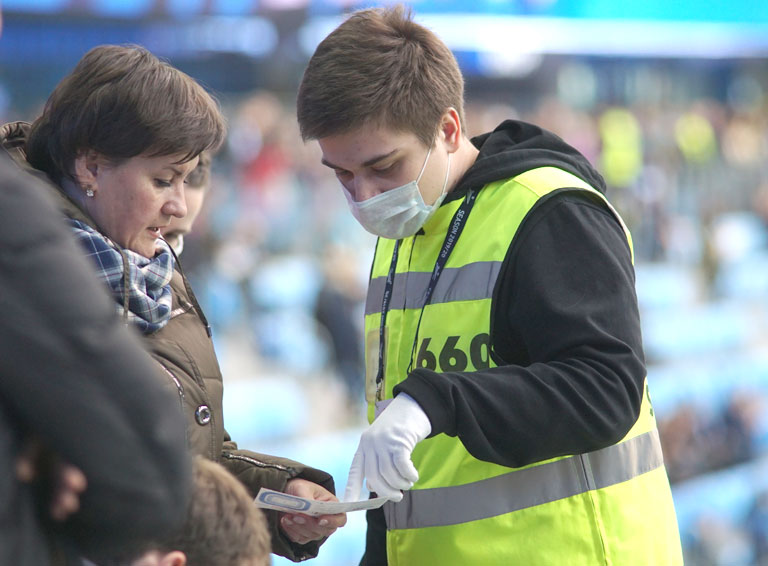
(270, 499)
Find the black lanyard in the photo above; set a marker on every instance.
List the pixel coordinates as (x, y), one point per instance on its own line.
(457, 225)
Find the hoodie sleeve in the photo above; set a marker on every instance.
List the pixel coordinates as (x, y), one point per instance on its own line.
(77, 380)
(565, 321)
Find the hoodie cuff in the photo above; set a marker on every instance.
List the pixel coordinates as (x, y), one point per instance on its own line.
(438, 406)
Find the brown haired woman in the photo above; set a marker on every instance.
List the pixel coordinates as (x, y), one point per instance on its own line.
(118, 137)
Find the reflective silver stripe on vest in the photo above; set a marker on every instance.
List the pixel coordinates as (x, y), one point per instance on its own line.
(471, 282)
(526, 488)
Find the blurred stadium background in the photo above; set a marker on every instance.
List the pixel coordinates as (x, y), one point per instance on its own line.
(669, 99)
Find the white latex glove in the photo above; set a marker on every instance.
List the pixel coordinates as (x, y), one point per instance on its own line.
(384, 453)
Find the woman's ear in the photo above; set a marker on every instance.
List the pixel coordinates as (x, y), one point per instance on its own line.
(86, 169)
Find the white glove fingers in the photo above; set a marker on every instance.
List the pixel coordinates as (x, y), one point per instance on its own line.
(377, 482)
(405, 468)
(389, 467)
(354, 489)
(383, 490)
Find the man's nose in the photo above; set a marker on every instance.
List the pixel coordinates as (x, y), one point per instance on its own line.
(363, 189)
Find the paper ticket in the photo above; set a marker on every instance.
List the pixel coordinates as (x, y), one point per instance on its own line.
(269, 499)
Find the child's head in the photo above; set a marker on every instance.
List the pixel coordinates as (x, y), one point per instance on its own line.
(379, 69)
(223, 526)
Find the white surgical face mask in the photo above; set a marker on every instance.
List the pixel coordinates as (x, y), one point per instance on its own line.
(397, 213)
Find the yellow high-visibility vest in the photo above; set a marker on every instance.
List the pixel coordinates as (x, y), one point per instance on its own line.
(608, 507)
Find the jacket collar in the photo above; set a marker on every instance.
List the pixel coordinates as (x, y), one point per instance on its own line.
(13, 140)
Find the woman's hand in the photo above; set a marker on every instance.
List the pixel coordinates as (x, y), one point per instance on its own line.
(302, 529)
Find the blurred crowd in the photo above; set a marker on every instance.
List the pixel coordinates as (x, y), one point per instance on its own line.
(729, 438)
(697, 439)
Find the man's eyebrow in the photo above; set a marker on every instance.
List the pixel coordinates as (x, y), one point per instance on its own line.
(372, 161)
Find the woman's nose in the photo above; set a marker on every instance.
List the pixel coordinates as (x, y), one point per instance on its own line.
(176, 205)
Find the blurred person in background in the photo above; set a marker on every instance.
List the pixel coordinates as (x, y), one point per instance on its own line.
(505, 373)
(118, 138)
(222, 528)
(198, 183)
(93, 449)
(336, 310)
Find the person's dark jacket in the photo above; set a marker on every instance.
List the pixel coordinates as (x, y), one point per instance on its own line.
(184, 350)
(565, 326)
(74, 379)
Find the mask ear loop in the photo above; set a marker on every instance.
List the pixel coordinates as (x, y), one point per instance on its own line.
(445, 183)
(447, 172)
(423, 167)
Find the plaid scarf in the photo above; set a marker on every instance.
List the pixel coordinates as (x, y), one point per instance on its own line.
(148, 282)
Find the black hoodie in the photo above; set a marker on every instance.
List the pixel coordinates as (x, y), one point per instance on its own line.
(565, 328)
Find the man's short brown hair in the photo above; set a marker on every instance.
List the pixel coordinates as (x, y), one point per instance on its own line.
(122, 101)
(379, 68)
(223, 527)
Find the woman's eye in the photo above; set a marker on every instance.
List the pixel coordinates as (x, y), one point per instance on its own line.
(162, 183)
(342, 173)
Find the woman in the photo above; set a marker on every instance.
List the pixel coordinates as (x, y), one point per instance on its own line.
(118, 137)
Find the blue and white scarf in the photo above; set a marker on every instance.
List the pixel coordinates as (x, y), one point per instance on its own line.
(148, 286)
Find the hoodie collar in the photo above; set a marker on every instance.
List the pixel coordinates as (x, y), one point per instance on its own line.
(515, 147)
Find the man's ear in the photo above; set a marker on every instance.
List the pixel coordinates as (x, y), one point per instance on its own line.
(174, 558)
(86, 168)
(450, 128)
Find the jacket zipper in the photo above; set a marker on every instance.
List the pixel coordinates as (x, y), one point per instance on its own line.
(259, 463)
(179, 386)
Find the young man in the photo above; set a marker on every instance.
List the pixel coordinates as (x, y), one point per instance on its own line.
(506, 378)
(223, 526)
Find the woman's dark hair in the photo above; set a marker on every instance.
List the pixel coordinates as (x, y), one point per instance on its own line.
(122, 101)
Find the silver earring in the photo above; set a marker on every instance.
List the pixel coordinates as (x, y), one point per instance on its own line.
(89, 191)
